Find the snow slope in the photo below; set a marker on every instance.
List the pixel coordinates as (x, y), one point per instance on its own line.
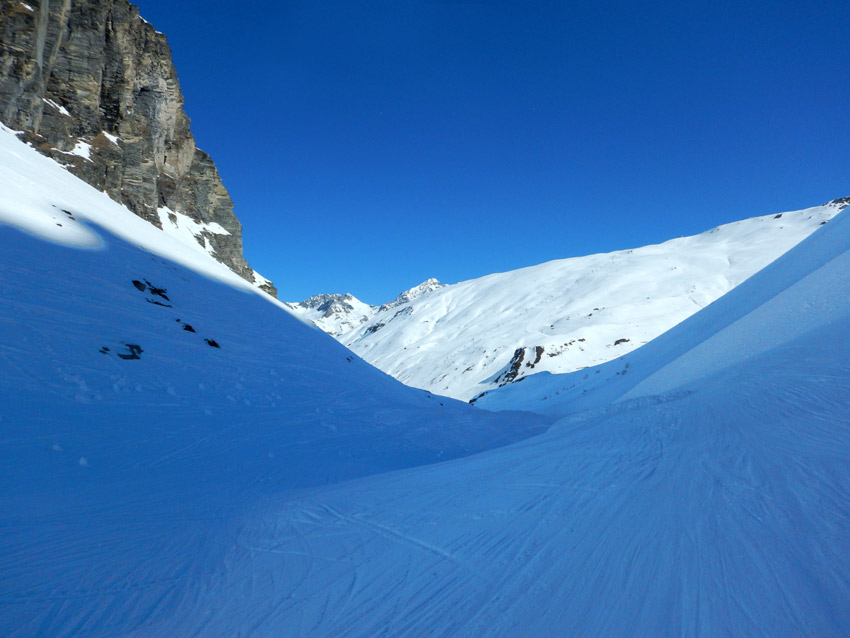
(560, 316)
(717, 508)
(145, 408)
(40, 196)
(802, 290)
(242, 490)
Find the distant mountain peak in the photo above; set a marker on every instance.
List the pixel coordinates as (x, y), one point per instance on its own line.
(429, 285)
(334, 313)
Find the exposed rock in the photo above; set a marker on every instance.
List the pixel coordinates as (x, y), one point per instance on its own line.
(841, 203)
(530, 355)
(92, 85)
(407, 296)
(374, 328)
(332, 304)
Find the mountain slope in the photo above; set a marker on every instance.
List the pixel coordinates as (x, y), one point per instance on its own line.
(560, 316)
(147, 408)
(165, 486)
(715, 508)
(804, 289)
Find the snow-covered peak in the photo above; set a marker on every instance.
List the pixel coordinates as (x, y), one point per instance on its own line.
(429, 285)
(340, 315)
(333, 313)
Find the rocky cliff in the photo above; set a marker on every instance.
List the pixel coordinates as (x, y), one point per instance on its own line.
(92, 85)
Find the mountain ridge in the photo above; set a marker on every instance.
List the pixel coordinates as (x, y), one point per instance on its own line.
(558, 316)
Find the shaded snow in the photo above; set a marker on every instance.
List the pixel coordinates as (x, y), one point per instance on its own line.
(146, 410)
(32, 186)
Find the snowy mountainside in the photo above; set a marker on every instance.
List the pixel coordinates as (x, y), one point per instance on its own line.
(803, 289)
(147, 408)
(715, 508)
(339, 314)
(429, 285)
(37, 194)
(333, 313)
(463, 339)
(172, 470)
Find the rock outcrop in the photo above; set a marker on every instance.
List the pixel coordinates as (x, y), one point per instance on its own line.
(92, 85)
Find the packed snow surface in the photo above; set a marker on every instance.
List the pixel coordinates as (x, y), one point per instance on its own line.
(147, 409)
(273, 484)
(560, 316)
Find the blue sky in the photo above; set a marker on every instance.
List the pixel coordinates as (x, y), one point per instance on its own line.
(371, 145)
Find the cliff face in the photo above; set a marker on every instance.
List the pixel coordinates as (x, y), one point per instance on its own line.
(92, 85)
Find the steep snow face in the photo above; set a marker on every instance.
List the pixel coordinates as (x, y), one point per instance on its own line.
(146, 408)
(565, 315)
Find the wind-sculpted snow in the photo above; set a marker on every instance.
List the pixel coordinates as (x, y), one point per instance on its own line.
(464, 339)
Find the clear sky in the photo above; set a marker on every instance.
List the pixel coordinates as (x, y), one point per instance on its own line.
(369, 145)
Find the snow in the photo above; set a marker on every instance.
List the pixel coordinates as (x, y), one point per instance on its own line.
(112, 138)
(34, 191)
(81, 149)
(137, 445)
(335, 314)
(459, 340)
(27, 7)
(802, 290)
(259, 280)
(56, 106)
(277, 485)
(188, 231)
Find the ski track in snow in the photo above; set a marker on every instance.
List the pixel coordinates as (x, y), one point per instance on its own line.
(716, 512)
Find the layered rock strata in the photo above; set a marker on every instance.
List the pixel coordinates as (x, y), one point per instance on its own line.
(92, 85)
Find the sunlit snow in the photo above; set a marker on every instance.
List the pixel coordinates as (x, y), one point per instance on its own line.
(569, 314)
